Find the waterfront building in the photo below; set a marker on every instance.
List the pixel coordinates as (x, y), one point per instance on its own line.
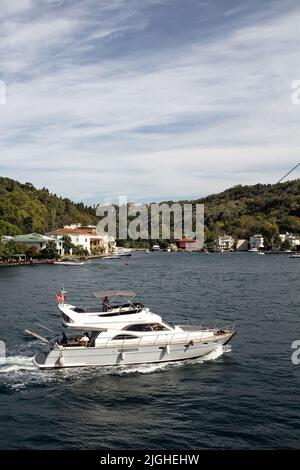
(88, 239)
(73, 226)
(242, 245)
(188, 244)
(38, 242)
(102, 243)
(225, 242)
(256, 242)
(294, 240)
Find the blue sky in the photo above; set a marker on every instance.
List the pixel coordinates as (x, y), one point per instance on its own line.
(153, 99)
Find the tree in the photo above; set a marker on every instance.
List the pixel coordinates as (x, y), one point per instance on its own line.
(68, 245)
(28, 224)
(50, 251)
(286, 245)
(29, 186)
(10, 185)
(80, 251)
(52, 218)
(10, 249)
(7, 228)
(67, 206)
(270, 232)
(33, 251)
(33, 210)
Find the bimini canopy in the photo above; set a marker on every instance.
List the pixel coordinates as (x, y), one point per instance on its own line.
(114, 293)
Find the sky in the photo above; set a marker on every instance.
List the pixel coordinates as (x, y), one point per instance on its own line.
(152, 99)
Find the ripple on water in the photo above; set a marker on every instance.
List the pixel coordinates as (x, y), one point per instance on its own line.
(248, 398)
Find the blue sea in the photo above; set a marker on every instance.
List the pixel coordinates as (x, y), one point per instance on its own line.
(243, 397)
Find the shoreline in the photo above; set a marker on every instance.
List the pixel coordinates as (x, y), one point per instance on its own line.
(24, 262)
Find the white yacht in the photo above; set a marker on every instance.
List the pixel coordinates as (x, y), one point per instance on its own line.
(124, 333)
(122, 251)
(118, 253)
(155, 248)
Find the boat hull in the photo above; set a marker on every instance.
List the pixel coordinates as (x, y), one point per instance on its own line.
(125, 355)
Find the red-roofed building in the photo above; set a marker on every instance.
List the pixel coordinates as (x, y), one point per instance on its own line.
(188, 244)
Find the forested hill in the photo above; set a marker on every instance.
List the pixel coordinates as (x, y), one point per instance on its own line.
(25, 209)
(239, 211)
(263, 208)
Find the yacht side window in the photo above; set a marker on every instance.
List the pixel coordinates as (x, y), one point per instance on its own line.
(157, 327)
(124, 337)
(146, 327)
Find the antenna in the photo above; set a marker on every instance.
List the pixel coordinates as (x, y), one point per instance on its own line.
(288, 173)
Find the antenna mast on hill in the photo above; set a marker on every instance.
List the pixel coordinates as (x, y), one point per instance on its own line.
(288, 173)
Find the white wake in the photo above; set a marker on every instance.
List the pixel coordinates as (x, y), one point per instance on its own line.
(17, 363)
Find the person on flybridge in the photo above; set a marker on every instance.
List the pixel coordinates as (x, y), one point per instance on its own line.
(105, 304)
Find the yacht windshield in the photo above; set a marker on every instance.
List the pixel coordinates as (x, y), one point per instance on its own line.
(170, 325)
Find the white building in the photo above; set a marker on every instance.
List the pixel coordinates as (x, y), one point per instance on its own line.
(88, 239)
(38, 241)
(103, 243)
(73, 226)
(7, 238)
(256, 241)
(294, 240)
(225, 242)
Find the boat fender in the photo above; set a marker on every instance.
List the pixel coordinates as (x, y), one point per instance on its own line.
(122, 356)
(167, 349)
(61, 361)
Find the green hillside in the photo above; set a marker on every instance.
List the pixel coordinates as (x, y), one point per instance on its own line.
(239, 211)
(25, 209)
(263, 208)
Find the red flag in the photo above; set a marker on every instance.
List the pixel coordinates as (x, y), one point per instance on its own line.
(62, 296)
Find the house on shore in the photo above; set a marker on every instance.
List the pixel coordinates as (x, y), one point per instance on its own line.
(292, 239)
(242, 245)
(37, 241)
(88, 239)
(188, 244)
(225, 242)
(256, 242)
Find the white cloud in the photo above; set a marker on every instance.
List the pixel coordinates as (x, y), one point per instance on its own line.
(9, 7)
(98, 127)
(17, 34)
